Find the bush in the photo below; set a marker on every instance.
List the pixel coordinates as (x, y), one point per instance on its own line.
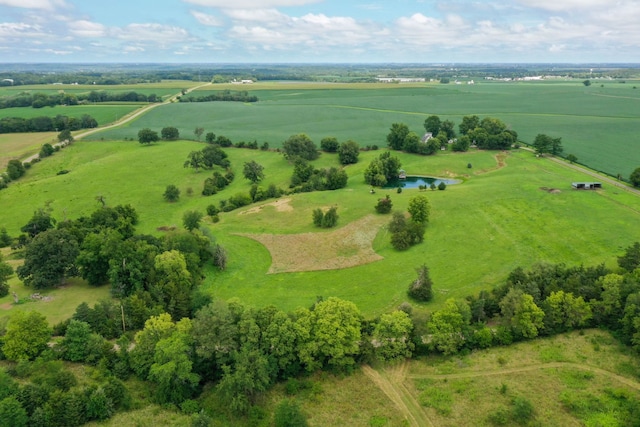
(288, 414)
(384, 205)
(212, 210)
(442, 186)
(171, 193)
(325, 220)
(421, 288)
(329, 144)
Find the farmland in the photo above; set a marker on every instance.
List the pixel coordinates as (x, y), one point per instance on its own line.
(510, 209)
(498, 219)
(597, 124)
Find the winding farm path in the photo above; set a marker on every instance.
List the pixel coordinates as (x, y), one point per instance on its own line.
(391, 381)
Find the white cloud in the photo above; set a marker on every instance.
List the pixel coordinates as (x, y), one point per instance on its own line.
(250, 4)
(578, 6)
(84, 28)
(33, 4)
(257, 15)
(133, 49)
(205, 19)
(19, 29)
(151, 33)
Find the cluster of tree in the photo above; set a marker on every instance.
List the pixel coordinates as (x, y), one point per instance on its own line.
(408, 232)
(546, 144)
(256, 194)
(46, 393)
(168, 133)
(348, 151)
(46, 124)
(306, 178)
(208, 158)
(224, 95)
(381, 170)
(103, 248)
(488, 133)
(546, 300)
(300, 146)
(40, 100)
(326, 219)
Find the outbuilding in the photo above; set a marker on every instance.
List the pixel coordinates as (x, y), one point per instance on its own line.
(586, 185)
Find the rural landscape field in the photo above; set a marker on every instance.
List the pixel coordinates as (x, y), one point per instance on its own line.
(509, 227)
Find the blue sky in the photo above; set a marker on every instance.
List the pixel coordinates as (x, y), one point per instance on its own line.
(312, 31)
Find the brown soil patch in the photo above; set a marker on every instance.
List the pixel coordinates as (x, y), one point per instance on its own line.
(346, 247)
(551, 190)
(281, 205)
(5, 306)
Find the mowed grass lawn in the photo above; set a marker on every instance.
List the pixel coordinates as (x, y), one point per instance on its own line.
(479, 231)
(597, 124)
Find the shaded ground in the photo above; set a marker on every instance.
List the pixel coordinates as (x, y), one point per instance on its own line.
(346, 247)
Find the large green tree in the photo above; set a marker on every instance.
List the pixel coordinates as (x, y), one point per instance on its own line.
(5, 272)
(253, 171)
(432, 124)
(15, 169)
(392, 336)
(396, 136)
(172, 368)
(521, 314)
(170, 133)
(564, 312)
(419, 208)
(48, 259)
(300, 145)
(348, 152)
(449, 326)
(468, 124)
(173, 285)
(26, 336)
(147, 136)
(631, 258)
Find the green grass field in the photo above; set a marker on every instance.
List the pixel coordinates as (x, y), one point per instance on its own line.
(480, 230)
(597, 124)
(103, 113)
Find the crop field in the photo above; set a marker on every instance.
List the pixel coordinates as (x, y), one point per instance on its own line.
(502, 216)
(597, 124)
(22, 145)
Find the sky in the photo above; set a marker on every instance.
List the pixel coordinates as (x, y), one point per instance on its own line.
(320, 31)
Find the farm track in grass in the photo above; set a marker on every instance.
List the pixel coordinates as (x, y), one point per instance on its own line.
(389, 380)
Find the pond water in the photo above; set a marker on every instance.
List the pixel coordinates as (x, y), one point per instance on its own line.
(416, 181)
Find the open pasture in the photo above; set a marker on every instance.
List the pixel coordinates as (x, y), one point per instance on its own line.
(480, 230)
(597, 124)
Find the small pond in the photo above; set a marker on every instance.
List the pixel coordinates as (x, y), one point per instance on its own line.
(416, 181)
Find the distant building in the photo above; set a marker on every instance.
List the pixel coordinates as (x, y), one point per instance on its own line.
(401, 79)
(586, 185)
(426, 137)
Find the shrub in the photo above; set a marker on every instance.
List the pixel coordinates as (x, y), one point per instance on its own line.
(212, 210)
(384, 205)
(329, 144)
(288, 414)
(442, 186)
(171, 193)
(421, 288)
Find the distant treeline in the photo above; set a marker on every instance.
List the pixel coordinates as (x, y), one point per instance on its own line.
(46, 124)
(225, 95)
(40, 100)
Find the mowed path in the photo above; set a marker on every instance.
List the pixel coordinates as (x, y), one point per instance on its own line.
(391, 381)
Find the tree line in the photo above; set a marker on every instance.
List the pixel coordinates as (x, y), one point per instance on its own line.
(46, 124)
(224, 95)
(40, 100)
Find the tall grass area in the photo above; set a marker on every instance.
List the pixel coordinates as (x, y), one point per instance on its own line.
(22, 145)
(496, 220)
(597, 124)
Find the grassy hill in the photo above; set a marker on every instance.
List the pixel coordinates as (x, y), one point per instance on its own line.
(503, 215)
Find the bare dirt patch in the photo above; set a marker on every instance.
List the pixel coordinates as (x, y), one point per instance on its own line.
(346, 247)
(281, 205)
(551, 190)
